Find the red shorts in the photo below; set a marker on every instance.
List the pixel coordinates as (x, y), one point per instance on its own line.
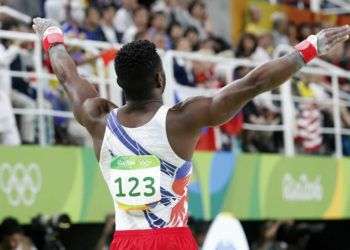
(176, 238)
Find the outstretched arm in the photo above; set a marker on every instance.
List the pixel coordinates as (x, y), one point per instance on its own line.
(86, 104)
(212, 111)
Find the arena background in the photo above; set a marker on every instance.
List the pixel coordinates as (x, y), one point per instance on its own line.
(280, 167)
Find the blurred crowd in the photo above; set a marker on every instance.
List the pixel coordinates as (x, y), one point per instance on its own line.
(181, 25)
(312, 94)
(306, 4)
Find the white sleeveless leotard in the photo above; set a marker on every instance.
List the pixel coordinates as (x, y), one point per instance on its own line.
(122, 147)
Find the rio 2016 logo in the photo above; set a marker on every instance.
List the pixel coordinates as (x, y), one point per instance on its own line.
(20, 183)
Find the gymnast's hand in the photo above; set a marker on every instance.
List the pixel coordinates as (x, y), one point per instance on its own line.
(327, 39)
(40, 25)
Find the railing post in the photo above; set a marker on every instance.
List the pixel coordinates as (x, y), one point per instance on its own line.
(168, 96)
(288, 118)
(287, 104)
(336, 117)
(40, 99)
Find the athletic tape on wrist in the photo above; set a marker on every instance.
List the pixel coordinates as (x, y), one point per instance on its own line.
(52, 36)
(308, 48)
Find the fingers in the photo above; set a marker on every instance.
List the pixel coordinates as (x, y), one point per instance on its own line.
(339, 32)
(341, 36)
(335, 30)
(36, 20)
(36, 23)
(340, 40)
(344, 32)
(331, 31)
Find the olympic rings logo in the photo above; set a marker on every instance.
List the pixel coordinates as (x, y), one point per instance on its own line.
(20, 183)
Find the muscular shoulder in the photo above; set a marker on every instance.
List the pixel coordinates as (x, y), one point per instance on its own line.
(193, 111)
(192, 103)
(184, 122)
(94, 110)
(98, 107)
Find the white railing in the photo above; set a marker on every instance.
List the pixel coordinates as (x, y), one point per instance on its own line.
(106, 77)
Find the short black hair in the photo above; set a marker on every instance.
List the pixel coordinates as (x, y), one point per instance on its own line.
(90, 8)
(9, 226)
(136, 66)
(172, 25)
(105, 7)
(191, 29)
(193, 4)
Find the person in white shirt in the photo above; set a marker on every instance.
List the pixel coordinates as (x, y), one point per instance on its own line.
(141, 20)
(8, 129)
(123, 18)
(108, 29)
(280, 26)
(9, 134)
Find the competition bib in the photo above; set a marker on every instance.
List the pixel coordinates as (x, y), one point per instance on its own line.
(135, 181)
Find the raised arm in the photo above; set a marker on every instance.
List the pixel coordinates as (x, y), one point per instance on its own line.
(87, 106)
(211, 111)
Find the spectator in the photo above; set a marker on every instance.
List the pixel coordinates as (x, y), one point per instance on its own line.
(123, 18)
(279, 25)
(12, 236)
(175, 11)
(264, 49)
(175, 32)
(74, 19)
(309, 120)
(305, 30)
(254, 17)
(9, 52)
(8, 129)
(204, 72)
(109, 32)
(293, 34)
(208, 45)
(309, 127)
(9, 134)
(54, 9)
(183, 68)
(246, 46)
(160, 40)
(142, 36)
(141, 21)
(165, 6)
(259, 141)
(22, 93)
(200, 19)
(157, 30)
(92, 28)
(183, 44)
(193, 37)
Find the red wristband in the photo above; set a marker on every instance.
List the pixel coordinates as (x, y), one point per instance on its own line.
(52, 36)
(307, 50)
